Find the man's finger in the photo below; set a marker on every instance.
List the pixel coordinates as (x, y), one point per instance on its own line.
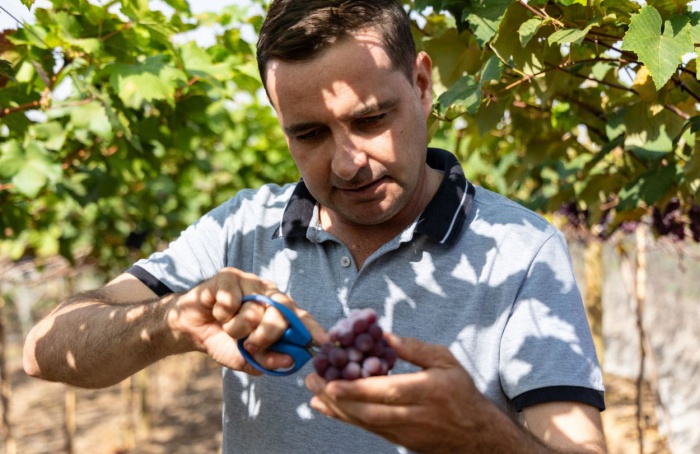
(318, 332)
(245, 321)
(421, 353)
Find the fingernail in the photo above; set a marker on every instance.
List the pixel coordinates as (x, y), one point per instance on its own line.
(251, 348)
(314, 383)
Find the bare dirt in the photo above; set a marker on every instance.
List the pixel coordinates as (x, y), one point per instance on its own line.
(182, 413)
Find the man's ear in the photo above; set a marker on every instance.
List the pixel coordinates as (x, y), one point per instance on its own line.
(423, 81)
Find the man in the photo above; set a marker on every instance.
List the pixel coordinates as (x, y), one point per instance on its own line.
(484, 287)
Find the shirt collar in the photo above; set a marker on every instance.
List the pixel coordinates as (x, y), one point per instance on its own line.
(442, 220)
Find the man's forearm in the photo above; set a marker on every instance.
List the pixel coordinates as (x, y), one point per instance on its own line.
(509, 436)
(92, 343)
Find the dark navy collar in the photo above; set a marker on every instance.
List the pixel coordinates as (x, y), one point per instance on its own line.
(442, 220)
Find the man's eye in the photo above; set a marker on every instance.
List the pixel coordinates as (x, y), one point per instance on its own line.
(374, 119)
(307, 136)
(311, 135)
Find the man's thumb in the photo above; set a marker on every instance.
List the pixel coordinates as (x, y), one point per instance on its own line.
(421, 353)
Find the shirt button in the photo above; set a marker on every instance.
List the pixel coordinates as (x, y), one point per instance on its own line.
(345, 261)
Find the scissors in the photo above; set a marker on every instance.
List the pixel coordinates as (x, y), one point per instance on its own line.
(295, 342)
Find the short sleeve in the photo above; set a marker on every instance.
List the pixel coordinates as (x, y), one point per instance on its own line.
(195, 256)
(547, 351)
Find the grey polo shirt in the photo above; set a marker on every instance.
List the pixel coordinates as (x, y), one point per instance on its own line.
(475, 272)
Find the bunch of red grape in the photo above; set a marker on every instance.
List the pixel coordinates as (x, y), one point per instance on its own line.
(357, 349)
(672, 221)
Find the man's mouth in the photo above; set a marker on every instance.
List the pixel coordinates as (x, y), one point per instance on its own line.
(365, 187)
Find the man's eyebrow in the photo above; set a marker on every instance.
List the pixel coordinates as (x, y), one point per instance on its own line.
(301, 127)
(369, 109)
(297, 128)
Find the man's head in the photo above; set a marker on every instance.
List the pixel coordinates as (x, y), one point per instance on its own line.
(298, 30)
(352, 96)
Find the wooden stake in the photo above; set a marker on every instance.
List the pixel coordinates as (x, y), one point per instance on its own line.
(593, 272)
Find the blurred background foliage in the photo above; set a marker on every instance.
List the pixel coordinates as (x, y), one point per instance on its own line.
(116, 131)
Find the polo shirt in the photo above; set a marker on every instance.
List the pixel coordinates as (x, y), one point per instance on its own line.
(475, 271)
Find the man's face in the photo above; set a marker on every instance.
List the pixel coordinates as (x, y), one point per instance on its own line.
(356, 129)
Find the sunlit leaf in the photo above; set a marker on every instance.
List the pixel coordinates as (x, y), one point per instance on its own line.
(569, 35)
(660, 50)
(528, 29)
(154, 79)
(485, 17)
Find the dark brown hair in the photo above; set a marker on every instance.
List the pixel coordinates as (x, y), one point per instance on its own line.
(298, 30)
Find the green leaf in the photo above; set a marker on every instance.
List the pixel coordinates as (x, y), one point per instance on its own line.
(695, 36)
(668, 8)
(7, 71)
(691, 169)
(181, 6)
(570, 35)
(528, 29)
(80, 5)
(36, 171)
(648, 188)
(28, 3)
(453, 56)
(616, 124)
(52, 134)
(491, 71)
(154, 79)
(660, 52)
(11, 158)
(465, 94)
(485, 17)
(650, 130)
(508, 47)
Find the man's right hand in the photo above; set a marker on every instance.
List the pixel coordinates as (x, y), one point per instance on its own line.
(100, 337)
(212, 317)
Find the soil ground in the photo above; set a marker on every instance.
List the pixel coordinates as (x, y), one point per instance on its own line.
(184, 413)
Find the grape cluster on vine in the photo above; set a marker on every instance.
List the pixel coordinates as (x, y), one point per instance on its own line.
(672, 221)
(357, 349)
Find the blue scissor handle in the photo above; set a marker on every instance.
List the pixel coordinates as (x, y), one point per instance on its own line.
(294, 342)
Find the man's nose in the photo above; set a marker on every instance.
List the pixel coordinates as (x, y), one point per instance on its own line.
(348, 157)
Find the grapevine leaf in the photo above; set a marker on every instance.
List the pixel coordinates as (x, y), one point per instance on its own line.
(7, 71)
(615, 125)
(92, 117)
(570, 35)
(36, 171)
(181, 6)
(528, 29)
(648, 187)
(508, 47)
(660, 51)
(152, 80)
(52, 134)
(695, 35)
(11, 158)
(692, 168)
(464, 94)
(492, 70)
(453, 56)
(78, 4)
(651, 130)
(668, 8)
(693, 123)
(485, 17)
